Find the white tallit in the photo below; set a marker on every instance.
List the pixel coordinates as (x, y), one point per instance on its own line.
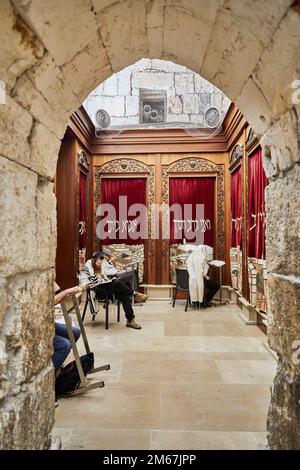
(197, 268)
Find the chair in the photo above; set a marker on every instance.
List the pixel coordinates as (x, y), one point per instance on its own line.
(83, 387)
(182, 285)
(92, 301)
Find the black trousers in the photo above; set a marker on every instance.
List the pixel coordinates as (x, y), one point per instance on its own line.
(210, 289)
(127, 279)
(121, 292)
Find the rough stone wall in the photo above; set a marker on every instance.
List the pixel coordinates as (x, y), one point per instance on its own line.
(188, 94)
(50, 61)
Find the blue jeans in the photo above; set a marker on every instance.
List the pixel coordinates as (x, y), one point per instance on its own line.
(61, 343)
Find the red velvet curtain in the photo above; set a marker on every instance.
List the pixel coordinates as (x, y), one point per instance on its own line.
(135, 190)
(82, 210)
(236, 208)
(256, 207)
(191, 190)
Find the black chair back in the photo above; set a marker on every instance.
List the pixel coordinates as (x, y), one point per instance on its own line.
(182, 279)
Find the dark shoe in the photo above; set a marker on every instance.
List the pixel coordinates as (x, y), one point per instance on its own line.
(133, 324)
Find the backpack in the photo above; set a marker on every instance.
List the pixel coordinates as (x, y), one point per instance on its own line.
(69, 380)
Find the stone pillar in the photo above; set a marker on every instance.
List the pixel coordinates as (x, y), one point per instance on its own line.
(28, 155)
(281, 161)
(27, 213)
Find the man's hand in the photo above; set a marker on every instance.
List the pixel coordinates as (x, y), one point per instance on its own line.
(66, 293)
(75, 290)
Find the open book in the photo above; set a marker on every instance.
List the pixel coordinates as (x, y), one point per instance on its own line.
(217, 263)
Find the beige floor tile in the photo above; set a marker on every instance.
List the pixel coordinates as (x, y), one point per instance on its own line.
(157, 368)
(121, 405)
(247, 371)
(220, 407)
(102, 439)
(206, 440)
(188, 380)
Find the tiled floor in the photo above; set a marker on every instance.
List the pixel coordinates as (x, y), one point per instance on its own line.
(188, 380)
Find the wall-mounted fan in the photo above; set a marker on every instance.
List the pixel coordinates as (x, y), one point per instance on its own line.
(102, 118)
(212, 119)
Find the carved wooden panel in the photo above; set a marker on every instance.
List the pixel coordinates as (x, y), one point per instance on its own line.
(197, 165)
(124, 167)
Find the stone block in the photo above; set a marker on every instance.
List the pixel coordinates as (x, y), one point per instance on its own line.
(153, 81)
(188, 28)
(15, 128)
(62, 38)
(283, 296)
(20, 49)
(216, 100)
(30, 330)
(124, 83)
(255, 107)
(108, 104)
(190, 104)
(4, 383)
(4, 301)
(197, 118)
(204, 102)
(184, 83)
(284, 417)
(110, 86)
(124, 121)
(281, 145)
(141, 65)
(43, 91)
(122, 27)
(46, 225)
(155, 41)
(155, 28)
(281, 62)
(232, 54)
(18, 219)
(44, 151)
(178, 118)
(174, 105)
(7, 422)
(132, 106)
(27, 420)
(93, 104)
(167, 66)
(119, 106)
(87, 69)
(97, 91)
(202, 85)
(283, 223)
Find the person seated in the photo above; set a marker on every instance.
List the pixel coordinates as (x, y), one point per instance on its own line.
(61, 343)
(130, 279)
(92, 273)
(202, 289)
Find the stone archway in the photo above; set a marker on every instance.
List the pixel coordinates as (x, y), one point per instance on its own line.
(51, 58)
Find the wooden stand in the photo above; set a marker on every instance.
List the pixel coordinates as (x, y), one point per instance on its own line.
(83, 387)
